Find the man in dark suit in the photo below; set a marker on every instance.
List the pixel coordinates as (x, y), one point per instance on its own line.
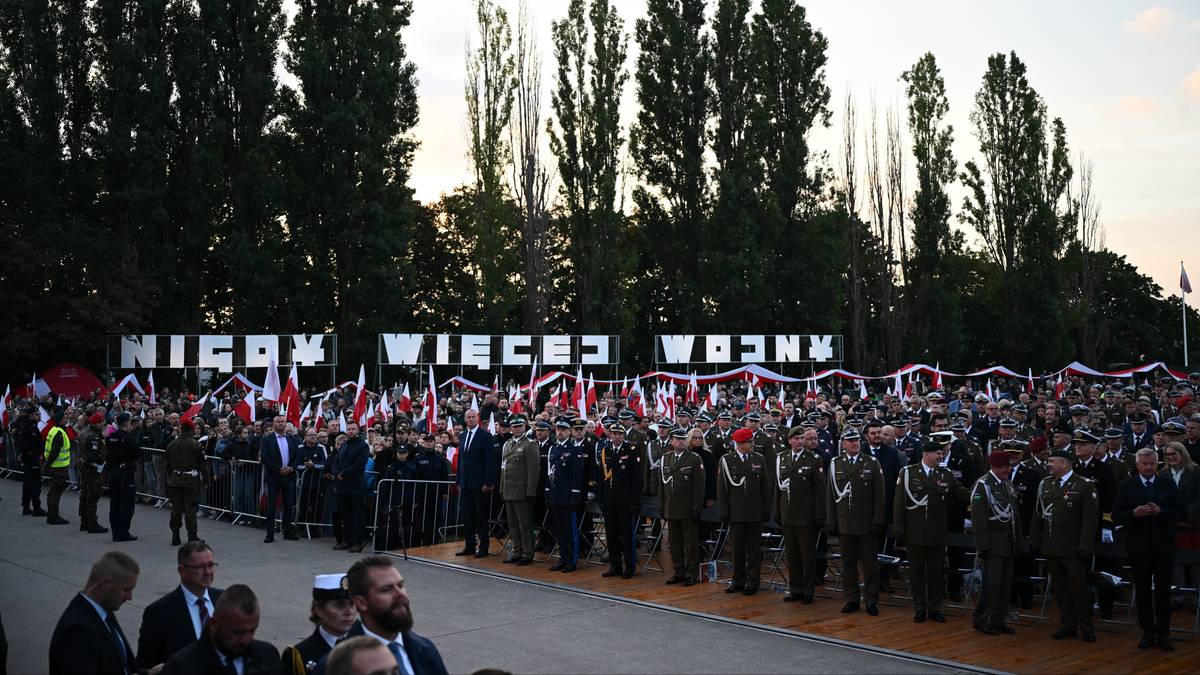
(478, 476)
(228, 644)
(377, 588)
(350, 486)
(177, 619)
(88, 638)
(1148, 506)
(280, 455)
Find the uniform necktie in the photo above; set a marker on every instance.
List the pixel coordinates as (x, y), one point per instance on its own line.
(394, 648)
(203, 607)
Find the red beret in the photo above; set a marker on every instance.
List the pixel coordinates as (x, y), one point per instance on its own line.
(96, 418)
(742, 435)
(186, 424)
(998, 458)
(1183, 400)
(1037, 444)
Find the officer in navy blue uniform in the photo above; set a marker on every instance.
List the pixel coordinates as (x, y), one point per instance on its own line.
(619, 475)
(564, 494)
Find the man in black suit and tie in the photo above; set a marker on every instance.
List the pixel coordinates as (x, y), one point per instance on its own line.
(350, 486)
(88, 638)
(177, 619)
(227, 644)
(280, 455)
(378, 591)
(1148, 507)
(478, 475)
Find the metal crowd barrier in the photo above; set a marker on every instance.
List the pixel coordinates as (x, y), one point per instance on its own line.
(413, 513)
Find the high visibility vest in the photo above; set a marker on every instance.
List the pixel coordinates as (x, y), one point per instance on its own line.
(63, 460)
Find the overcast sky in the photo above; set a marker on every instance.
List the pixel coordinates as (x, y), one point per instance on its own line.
(1123, 75)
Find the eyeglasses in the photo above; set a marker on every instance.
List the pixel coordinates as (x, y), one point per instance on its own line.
(205, 566)
(1170, 454)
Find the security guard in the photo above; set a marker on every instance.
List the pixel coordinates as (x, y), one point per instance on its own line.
(996, 520)
(800, 509)
(520, 465)
(924, 492)
(619, 473)
(186, 473)
(744, 501)
(58, 465)
(91, 465)
(1064, 527)
(855, 514)
(564, 493)
(681, 480)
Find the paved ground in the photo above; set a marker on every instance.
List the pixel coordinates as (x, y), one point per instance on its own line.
(476, 621)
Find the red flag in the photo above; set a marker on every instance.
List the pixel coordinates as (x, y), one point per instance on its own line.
(405, 400)
(590, 397)
(4, 406)
(431, 405)
(150, 388)
(1029, 386)
(579, 394)
(244, 408)
(198, 407)
(360, 397)
(291, 398)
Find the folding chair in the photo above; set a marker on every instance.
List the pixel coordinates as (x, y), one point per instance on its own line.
(775, 567)
(972, 576)
(897, 566)
(1098, 579)
(1183, 558)
(649, 533)
(833, 559)
(547, 529)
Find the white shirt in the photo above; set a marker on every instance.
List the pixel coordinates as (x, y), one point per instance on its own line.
(405, 667)
(283, 449)
(193, 610)
(1063, 481)
(239, 663)
(329, 638)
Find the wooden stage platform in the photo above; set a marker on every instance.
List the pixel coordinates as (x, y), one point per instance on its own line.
(1030, 650)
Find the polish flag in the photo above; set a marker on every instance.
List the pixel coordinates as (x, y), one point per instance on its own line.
(988, 390)
(405, 400)
(492, 424)
(430, 407)
(474, 402)
(671, 402)
(271, 385)
(342, 419)
(514, 401)
(531, 392)
(590, 397)
(245, 408)
(910, 388)
(1059, 387)
(579, 394)
(371, 414)
(937, 377)
(1029, 382)
(624, 387)
(198, 407)
(782, 396)
(638, 404)
(692, 393)
(360, 396)
(810, 388)
(150, 388)
(291, 398)
(306, 414)
(713, 395)
(862, 390)
(384, 410)
(898, 386)
(44, 425)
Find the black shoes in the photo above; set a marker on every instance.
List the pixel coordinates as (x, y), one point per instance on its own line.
(850, 607)
(465, 551)
(175, 539)
(1089, 635)
(750, 590)
(1148, 641)
(674, 580)
(56, 520)
(96, 529)
(690, 581)
(611, 572)
(520, 563)
(919, 617)
(569, 567)
(938, 617)
(872, 609)
(481, 554)
(734, 588)
(1062, 634)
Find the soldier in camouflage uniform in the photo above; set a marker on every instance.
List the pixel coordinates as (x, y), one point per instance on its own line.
(91, 459)
(186, 474)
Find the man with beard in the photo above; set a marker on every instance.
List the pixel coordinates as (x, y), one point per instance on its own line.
(228, 643)
(379, 595)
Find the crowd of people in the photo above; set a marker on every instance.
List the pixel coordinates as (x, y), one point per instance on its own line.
(1030, 474)
(362, 625)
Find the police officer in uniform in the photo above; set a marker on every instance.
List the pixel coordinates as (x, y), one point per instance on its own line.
(564, 493)
(800, 509)
(91, 463)
(1064, 527)
(619, 475)
(519, 469)
(186, 471)
(717, 439)
(29, 446)
(855, 510)
(58, 463)
(122, 464)
(744, 500)
(681, 488)
(433, 496)
(996, 521)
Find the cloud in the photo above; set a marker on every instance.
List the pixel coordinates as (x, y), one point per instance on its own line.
(1191, 83)
(1153, 21)
(1138, 106)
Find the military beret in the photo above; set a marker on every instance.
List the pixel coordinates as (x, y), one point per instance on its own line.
(1084, 435)
(626, 414)
(724, 415)
(330, 587)
(998, 459)
(1173, 428)
(184, 424)
(850, 435)
(679, 432)
(541, 424)
(1113, 432)
(742, 435)
(96, 418)
(517, 421)
(578, 423)
(1037, 444)
(1008, 423)
(1184, 400)
(770, 426)
(796, 431)
(1063, 453)
(562, 423)
(753, 417)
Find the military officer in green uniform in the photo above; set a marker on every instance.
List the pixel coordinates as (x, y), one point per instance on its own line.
(681, 489)
(655, 449)
(800, 509)
(186, 471)
(1064, 528)
(923, 494)
(996, 520)
(744, 501)
(854, 509)
(91, 465)
(520, 469)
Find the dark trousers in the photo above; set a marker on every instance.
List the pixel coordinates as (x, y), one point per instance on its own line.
(1154, 606)
(353, 511)
(926, 566)
(992, 610)
(476, 512)
(58, 485)
(859, 548)
(90, 486)
(800, 545)
(1023, 568)
(567, 532)
(288, 490)
(184, 502)
(31, 485)
(685, 548)
(121, 491)
(1068, 576)
(746, 540)
(620, 526)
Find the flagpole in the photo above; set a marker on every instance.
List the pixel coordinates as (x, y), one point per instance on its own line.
(1183, 311)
